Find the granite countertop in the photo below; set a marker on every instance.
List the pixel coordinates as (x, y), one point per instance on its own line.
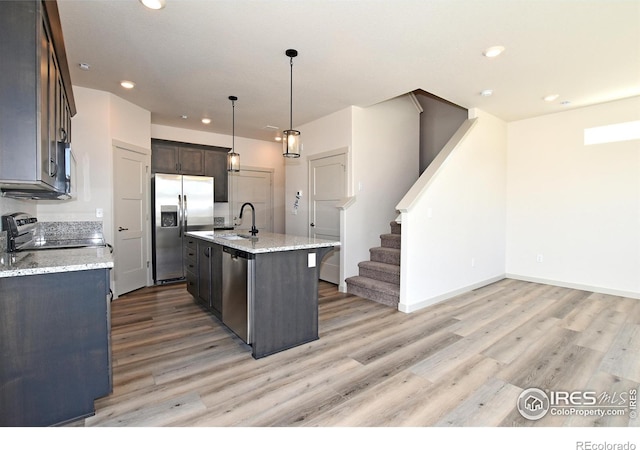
(262, 243)
(54, 261)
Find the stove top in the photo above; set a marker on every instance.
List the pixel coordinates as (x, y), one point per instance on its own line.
(25, 234)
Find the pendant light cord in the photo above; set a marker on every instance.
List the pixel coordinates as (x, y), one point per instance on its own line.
(291, 95)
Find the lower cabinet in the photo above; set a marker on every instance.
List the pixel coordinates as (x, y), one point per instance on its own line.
(54, 346)
(204, 282)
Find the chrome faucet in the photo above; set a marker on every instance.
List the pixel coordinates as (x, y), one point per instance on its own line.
(254, 230)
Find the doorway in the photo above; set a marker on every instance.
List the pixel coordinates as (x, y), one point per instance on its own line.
(131, 218)
(327, 188)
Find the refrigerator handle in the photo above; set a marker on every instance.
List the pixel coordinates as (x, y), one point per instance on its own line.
(179, 216)
(185, 213)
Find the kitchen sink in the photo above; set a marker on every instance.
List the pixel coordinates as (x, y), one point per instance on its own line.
(235, 237)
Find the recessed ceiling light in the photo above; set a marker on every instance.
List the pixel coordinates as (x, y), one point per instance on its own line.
(184, 116)
(494, 51)
(486, 93)
(84, 66)
(154, 4)
(206, 121)
(550, 97)
(278, 138)
(127, 84)
(565, 102)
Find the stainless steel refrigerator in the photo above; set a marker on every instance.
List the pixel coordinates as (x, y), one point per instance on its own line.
(181, 203)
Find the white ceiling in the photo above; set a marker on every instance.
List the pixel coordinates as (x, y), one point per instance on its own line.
(189, 57)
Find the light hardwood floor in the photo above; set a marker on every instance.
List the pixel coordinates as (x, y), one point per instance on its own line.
(462, 362)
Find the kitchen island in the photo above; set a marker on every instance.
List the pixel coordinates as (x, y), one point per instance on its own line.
(264, 288)
(54, 335)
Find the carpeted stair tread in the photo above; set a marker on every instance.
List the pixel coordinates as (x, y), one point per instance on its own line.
(396, 228)
(380, 271)
(378, 291)
(390, 240)
(385, 255)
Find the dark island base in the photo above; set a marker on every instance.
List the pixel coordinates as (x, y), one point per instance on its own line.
(285, 308)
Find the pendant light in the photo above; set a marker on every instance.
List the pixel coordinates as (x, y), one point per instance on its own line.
(291, 138)
(233, 158)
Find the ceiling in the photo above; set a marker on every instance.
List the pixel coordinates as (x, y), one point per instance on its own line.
(189, 57)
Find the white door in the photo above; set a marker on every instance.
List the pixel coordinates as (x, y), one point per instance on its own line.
(130, 256)
(253, 186)
(327, 179)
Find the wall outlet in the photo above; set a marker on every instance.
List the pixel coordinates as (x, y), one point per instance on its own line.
(311, 260)
(540, 258)
(473, 262)
(99, 213)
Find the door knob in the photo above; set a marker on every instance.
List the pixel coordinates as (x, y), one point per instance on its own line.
(122, 229)
(313, 224)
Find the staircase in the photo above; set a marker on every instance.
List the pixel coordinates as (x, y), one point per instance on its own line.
(379, 278)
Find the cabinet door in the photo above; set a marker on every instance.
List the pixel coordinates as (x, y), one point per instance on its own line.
(204, 273)
(215, 165)
(216, 280)
(191, 161)
(164, 158)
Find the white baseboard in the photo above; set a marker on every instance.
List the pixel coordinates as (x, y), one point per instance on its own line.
(403, 307)
(582, 287)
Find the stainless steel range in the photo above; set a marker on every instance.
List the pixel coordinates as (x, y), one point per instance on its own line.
(25, 233)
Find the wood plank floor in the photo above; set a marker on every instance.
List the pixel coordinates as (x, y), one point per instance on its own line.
(462, 362)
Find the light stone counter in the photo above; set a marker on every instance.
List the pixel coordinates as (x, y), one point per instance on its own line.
(263, 242)
(54, 261)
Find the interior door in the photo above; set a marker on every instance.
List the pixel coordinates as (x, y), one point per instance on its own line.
(327, 186)
(252, 186)
(130, 219)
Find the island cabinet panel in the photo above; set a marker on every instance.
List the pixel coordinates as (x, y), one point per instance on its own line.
(54, 346)
(191, 265)
(204, 268)
(285, 305)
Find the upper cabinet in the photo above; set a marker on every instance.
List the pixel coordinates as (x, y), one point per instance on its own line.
(36, 98)
(172, 157)
(192, 159)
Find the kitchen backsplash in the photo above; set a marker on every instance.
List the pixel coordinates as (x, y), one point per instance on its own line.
(69, 230)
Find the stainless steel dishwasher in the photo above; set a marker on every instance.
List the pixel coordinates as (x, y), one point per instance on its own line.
(237, 291)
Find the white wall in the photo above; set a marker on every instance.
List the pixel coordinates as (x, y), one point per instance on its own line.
(102, 117)
(386, 142)
(383, 148)
(577, 206)
(454, 233)
(326, 134)
(253, 153)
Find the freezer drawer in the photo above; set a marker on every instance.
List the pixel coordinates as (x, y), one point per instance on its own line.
(237, 291)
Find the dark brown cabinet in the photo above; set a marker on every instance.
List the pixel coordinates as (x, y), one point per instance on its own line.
(204, 265)
(171, 158)
(54, 346)
(36, 97)
(191, 265)
(192, 159)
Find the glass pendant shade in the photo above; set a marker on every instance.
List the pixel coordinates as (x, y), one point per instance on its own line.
(291, 144)
(233, 162)
(233, 158)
